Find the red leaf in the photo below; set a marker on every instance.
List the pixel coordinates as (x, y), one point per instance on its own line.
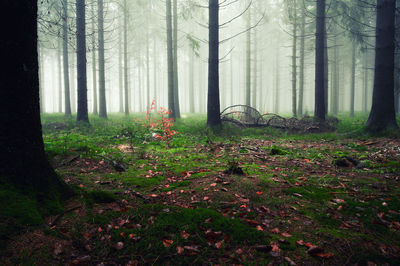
(184, 235)
(167, 243)
(179, 249)
(325, 255)
(286, 235)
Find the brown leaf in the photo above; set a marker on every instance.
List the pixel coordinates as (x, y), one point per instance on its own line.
(180, 249)
(184, 235)
(167, 243)
(300, 242)
(286, 235)
(275, 250)
(192, 248)
(325, 255)
(275, 230)
(218, 245)
(119, 246)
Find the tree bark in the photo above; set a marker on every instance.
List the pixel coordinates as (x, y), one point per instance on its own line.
(254, 85)
(94, 69)
(102, 79)
(319, 111)
(191, 81)
(277, 77)
(302, 55)
(365, 81)
(59, 67)
(294, 62)
(22, 158)
(175, 53)
(213, 104)
(382, 115)
(171, 97)
(126, 87)
(353, 78)
(67, 97)
(248, 60)
(82, 115)
(41, 80)
(120, 67)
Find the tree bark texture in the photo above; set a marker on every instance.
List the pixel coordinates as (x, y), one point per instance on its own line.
(176, 76)
(81, 61)
(382, 115)
(171, 98)
(213, 104)
(319, 111)
(67, 96)
(102, 78)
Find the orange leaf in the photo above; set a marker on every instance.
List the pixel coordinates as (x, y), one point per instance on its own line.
(179, 249)
(300, 242)
(325, 255)
(259, 193)
(286, 235)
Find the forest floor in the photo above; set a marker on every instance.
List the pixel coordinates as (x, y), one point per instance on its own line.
(236, 196)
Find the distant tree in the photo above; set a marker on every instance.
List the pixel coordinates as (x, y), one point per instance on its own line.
(175, 58)
(213, 103)
(171, 97)
(382, 115)
(320, 106)
(22, 158)
(102, 79)
(81, 61)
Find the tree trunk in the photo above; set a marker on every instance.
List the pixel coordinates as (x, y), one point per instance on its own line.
(155, 55)
(171, 97)
(59, 67)
(254, 85)
(73, 82)
(319, 111)
(365, 81)
(67, 99)
(191, 81)
(22, 158)
(248, 60)
(94, 69)
(175, 54)
(326, 70)
(353, 78)
(148, 101)
(382, 115)
(213, 104)
(335, 75)
(126, 87)
(294, 62)
(81, 61)
(120, 67)
(302, 55)
(277, 77)
(102, 79)
(41, 80)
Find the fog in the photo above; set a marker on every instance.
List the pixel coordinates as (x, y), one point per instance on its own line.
(269, 23)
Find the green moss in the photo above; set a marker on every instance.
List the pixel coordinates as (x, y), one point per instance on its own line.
(99, 196)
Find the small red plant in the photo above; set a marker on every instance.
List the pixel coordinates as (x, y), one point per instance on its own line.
(160, 124)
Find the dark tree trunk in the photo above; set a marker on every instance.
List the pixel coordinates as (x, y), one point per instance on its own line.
(171, 98)
(126, 88)
(353, 78)
(213, 105)
(302, 55)
(319, 111)
(102, 78)
(365, 80)
(22, 158)
(67, 96)
(294, 62)
(94, 69)
(382, 115)
(81, 61)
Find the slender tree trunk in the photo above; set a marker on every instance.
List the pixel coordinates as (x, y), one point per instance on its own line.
(67, 99)
(231, 76)
(294, 62)
(353, 78)
(319, 111)
(175, 54)
(81, 61)
(365, 81)
(59, 64)
(148, 101)
(248, 60)
(126, 87)
(213, 104)
(326, 70)
(191, 81)
(140, 86)
(254, 85)
(382, 115)
(120, 67)
(155, 55)
(102, 79)
(302, 55)
(171, 97)
(41, 80)
(335, 74)
(73, 82)
(94, 69)
(277, 77)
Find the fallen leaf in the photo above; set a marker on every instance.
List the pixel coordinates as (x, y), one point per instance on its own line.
(218, 245)
(325, 255)
(192, 248)
(286, 235)
(275, 250)
(275, 230)
(259, 193)
(290, 261)
(180, 249)
(184, 235)
(167, 243)
(300, 242)
(119, 246)
(213, 184)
